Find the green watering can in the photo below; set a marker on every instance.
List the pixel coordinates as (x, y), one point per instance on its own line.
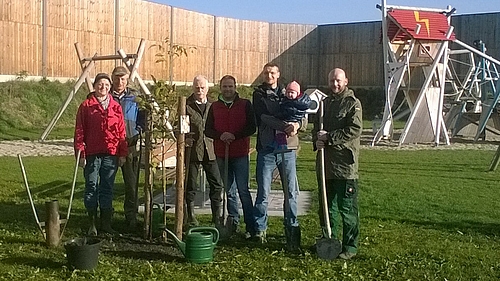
(199, 245)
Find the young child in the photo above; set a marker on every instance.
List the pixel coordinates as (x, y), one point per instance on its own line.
(293, 108)
(294, 105)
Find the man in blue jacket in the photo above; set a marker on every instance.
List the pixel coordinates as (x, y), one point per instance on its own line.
(134, 122)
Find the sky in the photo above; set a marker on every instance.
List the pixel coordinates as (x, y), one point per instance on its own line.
(319, 11)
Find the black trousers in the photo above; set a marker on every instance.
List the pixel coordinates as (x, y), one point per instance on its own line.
(213, 178)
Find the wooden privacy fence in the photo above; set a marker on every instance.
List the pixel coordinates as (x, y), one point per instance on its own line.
(38, 37)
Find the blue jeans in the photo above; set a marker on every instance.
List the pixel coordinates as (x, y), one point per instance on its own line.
(266, 162)
(99, 172)
(238, 177)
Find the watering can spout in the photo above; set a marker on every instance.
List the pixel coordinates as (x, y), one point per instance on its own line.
(181, 244)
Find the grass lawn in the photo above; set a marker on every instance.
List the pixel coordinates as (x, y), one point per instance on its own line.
(425, 215)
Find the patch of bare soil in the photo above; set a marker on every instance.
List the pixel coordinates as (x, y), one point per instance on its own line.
(134, 247)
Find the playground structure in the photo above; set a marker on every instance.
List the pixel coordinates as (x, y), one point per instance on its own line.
(442, 102)
(131, 61)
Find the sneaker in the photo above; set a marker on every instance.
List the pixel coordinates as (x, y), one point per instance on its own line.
(235, 229)
(248, 235)
(92, 231)
(347, 255)
(260, 237)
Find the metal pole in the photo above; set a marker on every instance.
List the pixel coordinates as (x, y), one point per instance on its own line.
(52, 223)
(385, 124)
(480, 54)
(495, 160)
(439, 119)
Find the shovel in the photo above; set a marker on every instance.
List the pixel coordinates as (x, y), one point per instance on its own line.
(327, 248)
(42, 225)
(292, 233)
(72, 190)
(225, 228)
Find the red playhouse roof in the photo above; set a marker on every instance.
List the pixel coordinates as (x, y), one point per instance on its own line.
(403, 25)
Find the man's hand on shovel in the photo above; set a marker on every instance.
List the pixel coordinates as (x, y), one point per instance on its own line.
(82, 162)
(227, 137)
(322, 139)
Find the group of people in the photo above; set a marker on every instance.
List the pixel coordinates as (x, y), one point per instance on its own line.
(109, 122)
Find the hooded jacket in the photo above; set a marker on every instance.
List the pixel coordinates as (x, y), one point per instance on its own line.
(344, 123)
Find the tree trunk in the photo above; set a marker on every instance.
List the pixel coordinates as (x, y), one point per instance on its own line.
(148, 179)
(179, 170)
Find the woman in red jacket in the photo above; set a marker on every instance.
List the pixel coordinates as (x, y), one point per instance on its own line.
(100, 136)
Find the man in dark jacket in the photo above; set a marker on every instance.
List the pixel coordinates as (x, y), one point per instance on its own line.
(340, 139)
(231, 122)
(266, 101)
(202, 152)
(134, 122)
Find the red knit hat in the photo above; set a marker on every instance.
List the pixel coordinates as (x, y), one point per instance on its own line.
(293, 86)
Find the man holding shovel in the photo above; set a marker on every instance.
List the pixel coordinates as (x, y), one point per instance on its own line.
(231, 122)
(338, 133)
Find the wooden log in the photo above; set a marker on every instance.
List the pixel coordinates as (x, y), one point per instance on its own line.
(52, 223)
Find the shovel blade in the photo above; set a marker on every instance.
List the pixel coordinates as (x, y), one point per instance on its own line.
(328, 249)
(225, 228)
(293, 236)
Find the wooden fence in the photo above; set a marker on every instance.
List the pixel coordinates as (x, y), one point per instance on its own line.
(38, 37)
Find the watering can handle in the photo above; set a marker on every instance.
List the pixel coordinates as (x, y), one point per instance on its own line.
(210, 229)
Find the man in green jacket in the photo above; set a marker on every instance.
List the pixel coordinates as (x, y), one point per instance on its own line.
(340, 139)
(202, 152)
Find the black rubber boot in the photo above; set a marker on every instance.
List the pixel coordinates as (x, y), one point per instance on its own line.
(106, 218)
(217, 218)
(92, 220)
(191, 217)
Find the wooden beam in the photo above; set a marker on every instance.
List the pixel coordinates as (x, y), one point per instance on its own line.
(109, 57)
